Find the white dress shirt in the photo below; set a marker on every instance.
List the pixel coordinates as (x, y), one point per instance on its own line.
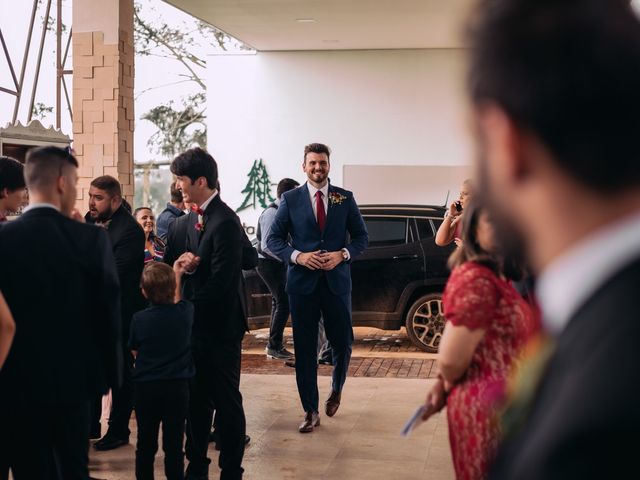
(566, 284)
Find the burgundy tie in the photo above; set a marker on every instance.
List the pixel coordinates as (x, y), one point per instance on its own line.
(320, 213)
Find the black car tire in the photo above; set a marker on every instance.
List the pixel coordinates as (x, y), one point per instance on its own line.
(425, 322)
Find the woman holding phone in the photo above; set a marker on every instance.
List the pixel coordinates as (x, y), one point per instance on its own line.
(450, 229)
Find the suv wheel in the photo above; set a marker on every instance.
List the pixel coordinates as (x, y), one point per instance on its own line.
(425, 322)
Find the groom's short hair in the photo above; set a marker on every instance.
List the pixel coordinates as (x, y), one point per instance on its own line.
(317, 148)
(196, 163)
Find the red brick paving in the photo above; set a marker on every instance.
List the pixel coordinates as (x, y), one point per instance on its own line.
(360, 367)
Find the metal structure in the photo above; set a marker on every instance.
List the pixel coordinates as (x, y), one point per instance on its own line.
(61, 60)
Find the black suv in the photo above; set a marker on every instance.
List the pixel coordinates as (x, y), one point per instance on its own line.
(398, 281)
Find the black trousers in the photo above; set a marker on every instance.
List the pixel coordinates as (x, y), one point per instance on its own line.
(274, 275)
(163, 402)
(305, 313)
(45, 443)
(217, 382)
(122, 400)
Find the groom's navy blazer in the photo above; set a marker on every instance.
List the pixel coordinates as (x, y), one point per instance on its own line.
(295, 228)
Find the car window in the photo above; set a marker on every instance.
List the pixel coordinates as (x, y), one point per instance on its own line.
(385, 232)
(424, 228)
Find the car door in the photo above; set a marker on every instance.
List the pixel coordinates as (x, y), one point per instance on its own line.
(436, 257)
(392, 260)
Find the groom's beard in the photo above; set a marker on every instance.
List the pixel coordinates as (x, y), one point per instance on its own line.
(104, 216)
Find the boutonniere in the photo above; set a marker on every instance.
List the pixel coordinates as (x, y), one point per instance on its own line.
(336, 198)
(200, 223)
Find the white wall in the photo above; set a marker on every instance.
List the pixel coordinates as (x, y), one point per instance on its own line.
(373, 108)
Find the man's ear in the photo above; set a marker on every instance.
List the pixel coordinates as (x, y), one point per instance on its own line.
(61, 184)
(505, 144)
(4, 192)
(144, 293)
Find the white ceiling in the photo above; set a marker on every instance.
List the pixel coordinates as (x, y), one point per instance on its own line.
(337, 24)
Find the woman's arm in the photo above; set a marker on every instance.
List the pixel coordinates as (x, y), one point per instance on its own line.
(447, 230)
(456, 351)
(7, 330)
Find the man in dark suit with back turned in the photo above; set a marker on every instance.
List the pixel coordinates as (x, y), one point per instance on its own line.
(318, 218)
(215, 257)
(127, 241)
(59, 279)
(556, 97)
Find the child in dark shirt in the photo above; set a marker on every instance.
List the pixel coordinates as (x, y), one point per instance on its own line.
(160, 339)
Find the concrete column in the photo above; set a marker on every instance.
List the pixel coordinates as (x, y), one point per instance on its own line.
(103, 75)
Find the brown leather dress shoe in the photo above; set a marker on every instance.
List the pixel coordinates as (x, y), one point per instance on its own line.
(332, 403)
(311, 420)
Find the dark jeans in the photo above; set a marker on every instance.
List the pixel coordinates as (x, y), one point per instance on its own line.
(274, 275)
(305, 312)
(166, 402)
(217, 382)
(45, 443)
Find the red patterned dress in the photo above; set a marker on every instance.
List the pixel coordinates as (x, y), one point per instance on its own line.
(477, 298)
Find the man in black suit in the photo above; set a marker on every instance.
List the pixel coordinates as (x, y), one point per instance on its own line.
(127, 241)
(59, 279)
(555, 90)
(215, 256)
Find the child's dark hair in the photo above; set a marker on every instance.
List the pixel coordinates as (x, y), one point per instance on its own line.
(159, 283)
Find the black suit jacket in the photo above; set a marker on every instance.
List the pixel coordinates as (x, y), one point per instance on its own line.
(59, 278)
(585, 419)
(216, 285)
(127, 242)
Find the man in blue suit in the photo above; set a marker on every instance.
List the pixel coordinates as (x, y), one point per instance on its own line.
(310, 233)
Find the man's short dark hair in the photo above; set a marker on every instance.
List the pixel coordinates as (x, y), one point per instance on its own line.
(317, 148)
(11, 174)
(176, 194)
(45, 164)
(159, 283)
(196, 163)
(285, 185)
(569, 73)
(109, 184)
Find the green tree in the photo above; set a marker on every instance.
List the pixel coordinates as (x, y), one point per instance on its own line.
(258, 188)
(187, 44)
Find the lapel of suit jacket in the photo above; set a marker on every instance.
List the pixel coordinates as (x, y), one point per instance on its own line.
(207, 215)
(192, 233)
(308, 208)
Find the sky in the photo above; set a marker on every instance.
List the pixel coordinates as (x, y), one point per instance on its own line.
(154, 82)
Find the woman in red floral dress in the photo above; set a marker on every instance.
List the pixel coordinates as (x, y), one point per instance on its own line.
(488, 324)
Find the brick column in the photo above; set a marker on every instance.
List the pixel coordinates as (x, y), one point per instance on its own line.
(103, 76)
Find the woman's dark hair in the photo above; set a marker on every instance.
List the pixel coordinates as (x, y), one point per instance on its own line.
(567, 72)
(471, 251)
(196, 163)
(11, 174)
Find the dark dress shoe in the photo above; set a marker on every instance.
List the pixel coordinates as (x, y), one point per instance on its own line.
(110, 443)
(332, 403)
(311, 420)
